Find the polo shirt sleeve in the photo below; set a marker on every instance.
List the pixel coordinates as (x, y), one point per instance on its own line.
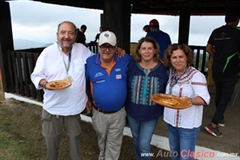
(211, 39)
(86, 70)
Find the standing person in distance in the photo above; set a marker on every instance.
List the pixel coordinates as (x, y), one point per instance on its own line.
(146, 76)
(224, 46)
(81, 37)
(59, 61)
(146, 28)
(106, 74)
(94, 43)
(101, 29)
(186, 82)
(161, 37)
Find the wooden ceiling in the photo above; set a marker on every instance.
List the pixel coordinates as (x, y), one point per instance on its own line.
(162, 7)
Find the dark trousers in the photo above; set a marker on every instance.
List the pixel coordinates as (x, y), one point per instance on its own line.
(224, 88)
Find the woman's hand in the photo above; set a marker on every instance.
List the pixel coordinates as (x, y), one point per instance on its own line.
(187, 98)
(196, 100)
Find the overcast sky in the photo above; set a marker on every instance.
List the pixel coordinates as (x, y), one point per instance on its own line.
(38, 22)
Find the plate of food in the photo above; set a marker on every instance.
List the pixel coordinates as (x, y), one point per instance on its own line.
(58, 84)
(171, 101)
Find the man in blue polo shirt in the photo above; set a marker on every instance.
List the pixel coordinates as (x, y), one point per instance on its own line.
(106, 73)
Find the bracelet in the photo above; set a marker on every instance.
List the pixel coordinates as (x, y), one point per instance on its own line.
(190, 100)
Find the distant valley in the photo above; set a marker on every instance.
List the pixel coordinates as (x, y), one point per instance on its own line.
(26, 44)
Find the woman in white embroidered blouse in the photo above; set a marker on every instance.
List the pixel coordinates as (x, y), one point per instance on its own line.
(187, 82)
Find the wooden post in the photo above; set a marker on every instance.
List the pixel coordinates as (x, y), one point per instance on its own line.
(6, 42)
(1, 86)
(117, 19)
(184, 23)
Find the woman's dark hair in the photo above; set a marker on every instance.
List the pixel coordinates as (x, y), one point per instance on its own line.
(185, 48)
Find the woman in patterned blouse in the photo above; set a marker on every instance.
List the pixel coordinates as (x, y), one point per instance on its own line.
(186, 82)
(146, 76)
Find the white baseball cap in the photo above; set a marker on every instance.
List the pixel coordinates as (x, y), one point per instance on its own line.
(107, 37)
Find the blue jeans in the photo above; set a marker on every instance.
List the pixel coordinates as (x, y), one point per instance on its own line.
(142, 135)
(182, 142)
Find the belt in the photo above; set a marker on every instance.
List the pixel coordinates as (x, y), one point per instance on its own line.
(105, 112)
(58, 116)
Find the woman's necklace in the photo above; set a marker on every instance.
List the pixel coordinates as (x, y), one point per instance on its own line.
(174, 79)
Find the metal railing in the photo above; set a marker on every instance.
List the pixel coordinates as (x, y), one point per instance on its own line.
(200, 58)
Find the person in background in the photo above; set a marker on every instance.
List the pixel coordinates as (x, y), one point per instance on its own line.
(161, 37)
(190, 84)
(81, 38)
(94, 43)
(146, 28)
(224, 46)
(63, 59)
(106, 74)
(146, 76)
(101, 29)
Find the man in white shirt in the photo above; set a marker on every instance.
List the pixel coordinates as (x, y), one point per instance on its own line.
(62, 108)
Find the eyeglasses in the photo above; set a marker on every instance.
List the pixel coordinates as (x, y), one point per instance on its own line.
(104, 48)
